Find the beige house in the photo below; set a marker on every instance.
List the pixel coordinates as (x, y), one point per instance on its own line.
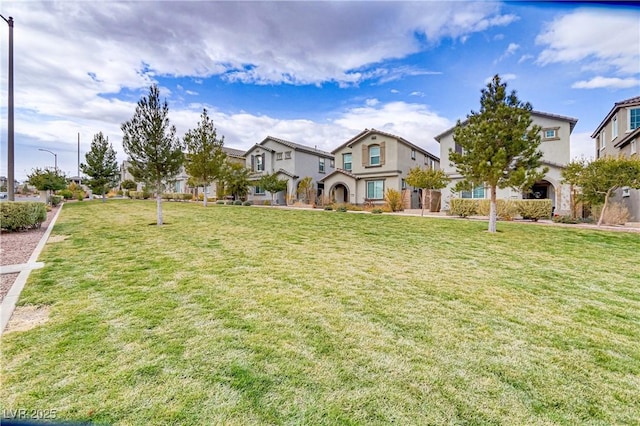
(555, 147)
(618, 134)
(372, 162)
(290, 161)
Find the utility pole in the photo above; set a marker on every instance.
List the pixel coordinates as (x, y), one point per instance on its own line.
(10, 140)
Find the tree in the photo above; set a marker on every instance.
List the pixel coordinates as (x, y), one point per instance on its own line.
(571, 175)
(602, 177)
(128, 185)
(271, 183)
(205, 157)
(499, 144)
(101, 166)
(154, 151)
(47, 179)
(305, 187)
(235, 177)
(427, 180)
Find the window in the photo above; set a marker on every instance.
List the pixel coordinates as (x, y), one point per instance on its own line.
(634, 146)
(287, 155)
(614, 127)
(603, 142)
(278, 156)
(346, 161)
(332, 163)
(258, 191)
(626, 192)
(477, 192)
(321, 165)
(550, 134)
(458, 149)
(404, 184)
(374, 155)
(634, 118)
(259, 159)
(413, 154)
(375, 189)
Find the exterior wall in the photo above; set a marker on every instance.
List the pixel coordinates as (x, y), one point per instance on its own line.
(556, 153)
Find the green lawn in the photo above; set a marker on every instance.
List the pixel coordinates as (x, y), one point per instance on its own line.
(245, 315)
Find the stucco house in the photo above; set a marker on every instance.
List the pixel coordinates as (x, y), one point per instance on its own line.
(555, 146)
(618, 134)
(290, 161)
(370, 163)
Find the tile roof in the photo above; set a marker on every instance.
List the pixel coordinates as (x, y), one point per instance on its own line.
(366, 132)
(341, 171)
(627, 102)
(298, 147)
(232, 152)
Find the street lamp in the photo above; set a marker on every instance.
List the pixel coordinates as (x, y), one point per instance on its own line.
(10, 174)
(55, 157)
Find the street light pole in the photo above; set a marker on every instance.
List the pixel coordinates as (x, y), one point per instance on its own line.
(55, 157)
(10, 170)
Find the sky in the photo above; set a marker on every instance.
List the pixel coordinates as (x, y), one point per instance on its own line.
(314, 73)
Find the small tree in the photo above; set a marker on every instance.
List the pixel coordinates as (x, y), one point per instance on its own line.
(427, 180)
(101, 166)
(271, 183)
(571, 175)
(47, 180)
(499, 144)
(305, 187)
(602, 177)
(205, 158)
(235, 179)
(154, 151)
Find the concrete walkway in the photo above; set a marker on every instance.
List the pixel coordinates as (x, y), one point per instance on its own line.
(10, 300)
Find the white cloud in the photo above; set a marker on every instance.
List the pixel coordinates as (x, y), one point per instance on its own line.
(524, 58)
(417, 93)
(503, 77)
(603, 39)
(607, 82)
(372, 102)
(394, 91)
(582, 146)
(511, 49)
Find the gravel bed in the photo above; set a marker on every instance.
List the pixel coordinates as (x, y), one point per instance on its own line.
(17, 247)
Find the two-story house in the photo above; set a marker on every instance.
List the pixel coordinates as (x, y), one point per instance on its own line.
(555, 146)
(618, 134)
(290, 161)
(372, 162)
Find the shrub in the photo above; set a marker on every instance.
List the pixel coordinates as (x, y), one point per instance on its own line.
(266, 202)
(342, 209)
(533, 209)
(22, 215)
(67, 194)
(55, 200)
(616, 214)
(247, 203)
(187, 197)
(229, 202)
(377, 210)
(393, 199)
(220, 202)
(79, 195)
(463, 207)
(329, 207)
(237, 203)
(505, 209)
(564, 219)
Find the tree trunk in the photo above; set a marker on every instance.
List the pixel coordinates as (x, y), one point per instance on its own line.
(159, 204)
(493, 211)
(104, 197)
(430, 200)
(423, 195)
(204, 195)
(604, 207)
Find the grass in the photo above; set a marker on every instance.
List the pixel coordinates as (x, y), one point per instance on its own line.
(244, 315)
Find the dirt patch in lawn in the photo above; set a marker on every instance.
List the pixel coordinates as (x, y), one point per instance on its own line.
(27, 317)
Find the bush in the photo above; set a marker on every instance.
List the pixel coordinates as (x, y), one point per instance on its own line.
(377, 210)
(616, 214)
(55, 200)
(266, 202)
(342, 209)
(22, 215)
(505, 209)
(237, 203)
(463, 207)
(247, 203)
(67, 194)
(328, 208)
(220, 202)
(533, 209)
(187, 197)
(79, 195)
(565, 219)
(393, 199)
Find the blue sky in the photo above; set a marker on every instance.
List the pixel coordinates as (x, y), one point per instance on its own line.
(315, 73)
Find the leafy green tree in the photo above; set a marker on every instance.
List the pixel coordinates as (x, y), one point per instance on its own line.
(47, 180)
(427, 180)
(205, 157)
(128, 185)
(101, 166)
(235, 179)
(499, 144)
(155, 153)
(271, 183)
(600, 179)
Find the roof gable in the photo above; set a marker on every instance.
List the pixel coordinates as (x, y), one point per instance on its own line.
(635, 101)
(297, 147)
(367, 132)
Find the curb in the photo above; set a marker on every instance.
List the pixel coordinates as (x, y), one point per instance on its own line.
(11, 298)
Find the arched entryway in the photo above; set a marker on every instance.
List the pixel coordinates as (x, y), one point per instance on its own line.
(542, 190)
(340, 193)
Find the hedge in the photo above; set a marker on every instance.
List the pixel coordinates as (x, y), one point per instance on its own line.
(534, 209)
(463, 207)
(22, 215)
(506, 209)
